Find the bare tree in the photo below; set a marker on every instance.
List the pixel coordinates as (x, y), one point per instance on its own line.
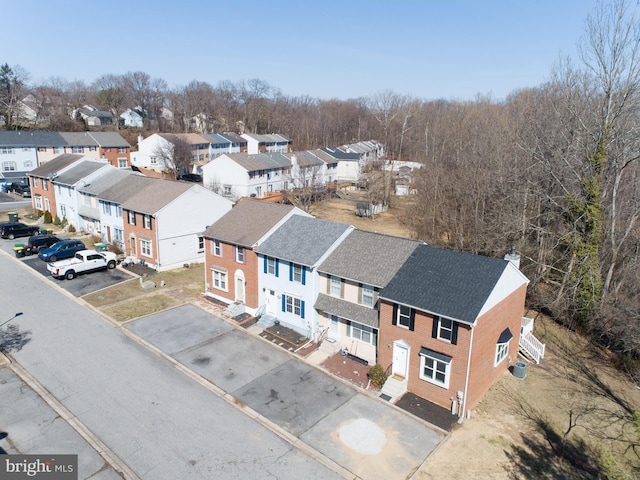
(176, 153)
(13, 88)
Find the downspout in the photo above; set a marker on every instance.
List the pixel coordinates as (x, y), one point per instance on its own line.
(466, 381)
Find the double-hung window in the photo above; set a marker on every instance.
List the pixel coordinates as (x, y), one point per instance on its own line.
(145, 247)
(147, 222)
(445, 329)
(297, 273)
(293, 305)
(240, 254)
(335, 287)
(404, 316)
(216, 248)
(219, 279)
(132, 217)
(435, 367)
(367, 295)
(272, 266)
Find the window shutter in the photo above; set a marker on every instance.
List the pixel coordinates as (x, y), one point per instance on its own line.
(301, 308)
(328, 284)
(341, 288)
(265, 264)
(394, 319)
(284, 302)
(434, 327)
(348, 328)
(304, 270)
(454, 333)
(290, 272)
(360, 293)
(374, 335)
(412, 319)
(277, 264)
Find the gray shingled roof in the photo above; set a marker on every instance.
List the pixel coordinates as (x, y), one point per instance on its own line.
(348, 310)
(126, 188)
(305, 159)
(109, 139)
(340, 155)
(56, 164)
(157, 195)
(260, 161)
(110, 178)
(79, 171)
(14, 138)
(368, 257)
(302, 240)
(247, 222)
(443, 282)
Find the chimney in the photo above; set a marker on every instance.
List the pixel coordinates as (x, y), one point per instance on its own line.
(513, 257)
(140, 139)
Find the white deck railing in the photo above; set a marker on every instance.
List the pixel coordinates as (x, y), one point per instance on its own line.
(532, 346)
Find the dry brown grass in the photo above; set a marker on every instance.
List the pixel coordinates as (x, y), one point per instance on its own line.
(142, 306)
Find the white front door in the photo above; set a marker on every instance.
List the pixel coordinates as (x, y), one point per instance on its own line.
(400, 359)
(334, 327)
(271, 306)
(240, 289)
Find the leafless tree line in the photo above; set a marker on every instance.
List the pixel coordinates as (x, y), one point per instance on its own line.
(552, 170)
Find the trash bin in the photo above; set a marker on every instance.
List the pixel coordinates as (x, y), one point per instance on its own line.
(520, 370)
(18, 248)
(100, 246)
(13, 216)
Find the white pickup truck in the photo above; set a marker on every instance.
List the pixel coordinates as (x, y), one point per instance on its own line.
(85, 261)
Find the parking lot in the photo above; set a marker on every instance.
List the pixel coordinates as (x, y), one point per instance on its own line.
(80, 285)
(363, 434)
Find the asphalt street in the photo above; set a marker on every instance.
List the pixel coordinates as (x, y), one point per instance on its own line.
(184, 394)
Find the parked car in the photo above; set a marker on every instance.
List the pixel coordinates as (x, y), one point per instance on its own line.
(60, 250)
(12, 230)
(22, 189)
(39, 242)
(84, 261)
(191, 177)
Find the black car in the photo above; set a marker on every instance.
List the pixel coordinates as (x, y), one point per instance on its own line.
(22, 189)
(12, 230)
(38, 242)
(191, 177)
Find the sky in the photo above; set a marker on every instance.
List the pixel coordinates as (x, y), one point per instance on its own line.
(429, 49)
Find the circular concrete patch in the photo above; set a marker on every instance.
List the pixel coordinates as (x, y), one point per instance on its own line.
(363, 436)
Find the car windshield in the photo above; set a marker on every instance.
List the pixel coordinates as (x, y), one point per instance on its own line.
(57, 246)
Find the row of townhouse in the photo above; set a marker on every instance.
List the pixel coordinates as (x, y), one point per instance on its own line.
(21, 151)
(445, 325)
(154, 151)
(152, 220)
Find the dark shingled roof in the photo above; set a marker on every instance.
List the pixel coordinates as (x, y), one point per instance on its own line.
(443, 282)
(247, 222)
(79, 171)
(56, 164)
(302, 240)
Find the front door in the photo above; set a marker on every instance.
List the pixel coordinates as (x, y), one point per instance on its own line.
(271, 307)
(132, 246)
(240, 289)
(400, 359)
(334, 327)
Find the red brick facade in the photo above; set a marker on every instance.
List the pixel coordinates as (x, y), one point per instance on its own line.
(135, 234)
(482, 372)
(227, 262)
(43, 189)
(112, 155)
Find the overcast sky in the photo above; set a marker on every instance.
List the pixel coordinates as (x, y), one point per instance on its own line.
(450, 49)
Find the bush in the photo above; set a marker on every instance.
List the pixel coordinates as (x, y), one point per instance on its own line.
(71, 229)
(47, 217)
(377, 376)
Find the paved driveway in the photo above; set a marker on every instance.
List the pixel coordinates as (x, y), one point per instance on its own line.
(361, 433)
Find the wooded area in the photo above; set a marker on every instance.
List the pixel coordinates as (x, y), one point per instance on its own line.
(552, 170)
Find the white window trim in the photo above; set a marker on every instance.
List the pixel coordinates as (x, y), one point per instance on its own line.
(442, 329)
(216, 248)
(143, 243)
(335, 283)
(400, 315)
(361, 328)
(296, 268)
(434, 381)
(502, 351)
(221, 276)
(372, 296)
(271, 266)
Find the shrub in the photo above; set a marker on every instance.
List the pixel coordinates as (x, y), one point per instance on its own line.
(47, 217)
(71, 229)
(377, 375)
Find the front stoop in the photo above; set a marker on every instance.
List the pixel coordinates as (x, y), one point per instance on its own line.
(393, 388)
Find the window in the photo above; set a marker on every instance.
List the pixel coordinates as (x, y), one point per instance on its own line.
(57, 149)
(335, 286)
(293, 305)
(435, 367)
(200, 244)
(132, 218)
(63, 210)
(35, 181)
(297, 273)
(119, 211)
(445, 329)
(106, 208)
(216, 248)
(153, 160)
(145, 248)
(363, 333)
(147, 222)
(272, 266)
(38, 202)
(122, 149)
(239, 254)
(118, 235)
(93, 149)
(45, 184)
(502, 347)
(404, 316)
(42, 149)
(122, 163)
(6, 150)
(367, 295)
(219, 279)
(226, 190)
(259, 192)
(8, 166)
(28, 163)
(77, 150)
